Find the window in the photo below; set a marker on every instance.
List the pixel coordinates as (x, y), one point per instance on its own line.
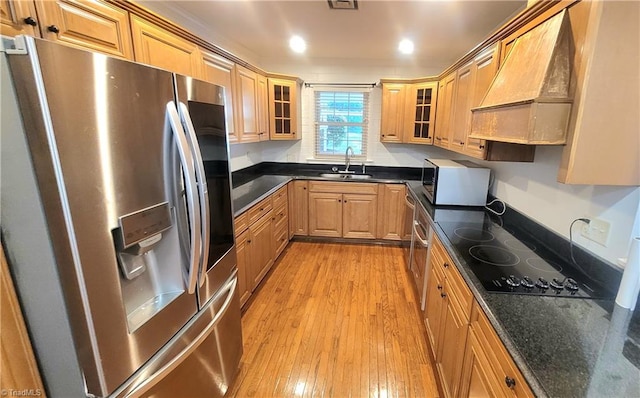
(342, 118)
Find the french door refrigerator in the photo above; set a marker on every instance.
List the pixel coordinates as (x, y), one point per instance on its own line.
(116, 216)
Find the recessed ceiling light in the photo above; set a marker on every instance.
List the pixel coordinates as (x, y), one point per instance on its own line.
(297, 44)
(405, 46)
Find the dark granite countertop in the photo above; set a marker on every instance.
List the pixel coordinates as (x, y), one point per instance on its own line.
(564, 347)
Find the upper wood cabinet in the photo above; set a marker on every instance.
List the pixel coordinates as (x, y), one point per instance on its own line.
(157, 47)
(444, 110)
(263, 107)
(220, 71)
(93, 25)
(393, 112)
(18, 18)
(461, 117)
(249, 107)
(283, 109)
(421, 112)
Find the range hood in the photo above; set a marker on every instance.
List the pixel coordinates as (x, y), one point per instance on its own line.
(529, 101)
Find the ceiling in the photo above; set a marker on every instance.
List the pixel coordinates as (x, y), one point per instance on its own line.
(442, 31)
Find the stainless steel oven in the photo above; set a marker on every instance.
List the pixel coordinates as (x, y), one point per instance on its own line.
(410, 206)
(420, 243)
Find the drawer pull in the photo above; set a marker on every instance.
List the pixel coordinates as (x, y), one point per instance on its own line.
(509, 382)
(53, 29)
(443, 295)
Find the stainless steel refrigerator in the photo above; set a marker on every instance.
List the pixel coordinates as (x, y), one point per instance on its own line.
(116, 216)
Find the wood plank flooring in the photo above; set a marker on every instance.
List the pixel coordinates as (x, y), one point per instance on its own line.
(335, 320)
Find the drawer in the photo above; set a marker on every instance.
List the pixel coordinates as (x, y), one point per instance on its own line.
(459, 286)
(241, 223)
(280, 197)
(343, 187)
(281, 239)
(257, 211)
(281, 216)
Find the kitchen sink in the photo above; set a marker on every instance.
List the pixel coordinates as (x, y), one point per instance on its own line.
(339, 176)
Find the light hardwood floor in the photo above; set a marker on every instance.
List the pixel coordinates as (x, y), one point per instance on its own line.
(335, 320)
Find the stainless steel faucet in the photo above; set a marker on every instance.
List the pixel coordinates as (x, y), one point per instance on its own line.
(347, 160)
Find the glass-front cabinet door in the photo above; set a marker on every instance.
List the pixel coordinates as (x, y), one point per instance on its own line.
(283, 109)
(422, 113)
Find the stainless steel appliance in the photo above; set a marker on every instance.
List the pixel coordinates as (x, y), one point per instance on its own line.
(455, 182)
(116, 216)
(410, 208)
(507, 260)
(420, 243)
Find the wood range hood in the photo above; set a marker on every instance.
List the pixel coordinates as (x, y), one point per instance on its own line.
(529, 100)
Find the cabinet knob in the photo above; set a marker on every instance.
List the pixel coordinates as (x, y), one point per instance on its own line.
(345, 201)
(248, 240)
(481, 146)
(446, 265)
(439, 287)
(262, 209)
(383, 135)
(273, 218)
(461, 143)
(339, 201)
(30, 21)
(509, 382)
(53, 29)
(305, 188)
(443, 295)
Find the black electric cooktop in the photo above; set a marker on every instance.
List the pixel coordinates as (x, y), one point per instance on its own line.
(508, 261)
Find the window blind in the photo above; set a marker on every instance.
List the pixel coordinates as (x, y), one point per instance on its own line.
(341, 121)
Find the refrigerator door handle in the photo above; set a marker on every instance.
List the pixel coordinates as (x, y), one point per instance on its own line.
(203, 191)
(148, 382)
(191, 192)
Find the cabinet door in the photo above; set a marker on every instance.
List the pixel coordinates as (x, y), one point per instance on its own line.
(453, 338)
(283, 109)
(263, 108)
(478, 379)
(220, 71)
(433, 306)
(421, 111)
(299, 206)
(485, 68)
(462, 107)
(261, 249)
(244, 282)
(360, 213)
(391, 211)
(325, 214)
(446, 92)
(393, 111)
(247, 93)
(18, 18)
(157, 47)
(88, 24)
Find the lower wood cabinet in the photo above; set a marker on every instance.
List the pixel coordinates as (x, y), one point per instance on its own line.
(391, 211)
(298, 208)
(261, 236)
(471, 361)
(343, 210)
(488, 369)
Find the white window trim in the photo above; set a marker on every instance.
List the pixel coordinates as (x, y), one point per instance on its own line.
(339, 159)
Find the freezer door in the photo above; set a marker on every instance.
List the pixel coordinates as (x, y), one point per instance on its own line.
(201, 107)
(200, 361)
(99, 133)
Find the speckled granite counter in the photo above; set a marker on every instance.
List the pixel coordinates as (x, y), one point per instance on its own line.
(564, 347)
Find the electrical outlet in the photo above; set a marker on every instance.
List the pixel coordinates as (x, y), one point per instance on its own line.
(597, 230)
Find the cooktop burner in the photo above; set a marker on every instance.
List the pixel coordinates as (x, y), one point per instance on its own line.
(508, 261)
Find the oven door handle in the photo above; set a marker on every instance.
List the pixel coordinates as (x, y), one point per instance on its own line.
(417, 234)
(411, 205)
